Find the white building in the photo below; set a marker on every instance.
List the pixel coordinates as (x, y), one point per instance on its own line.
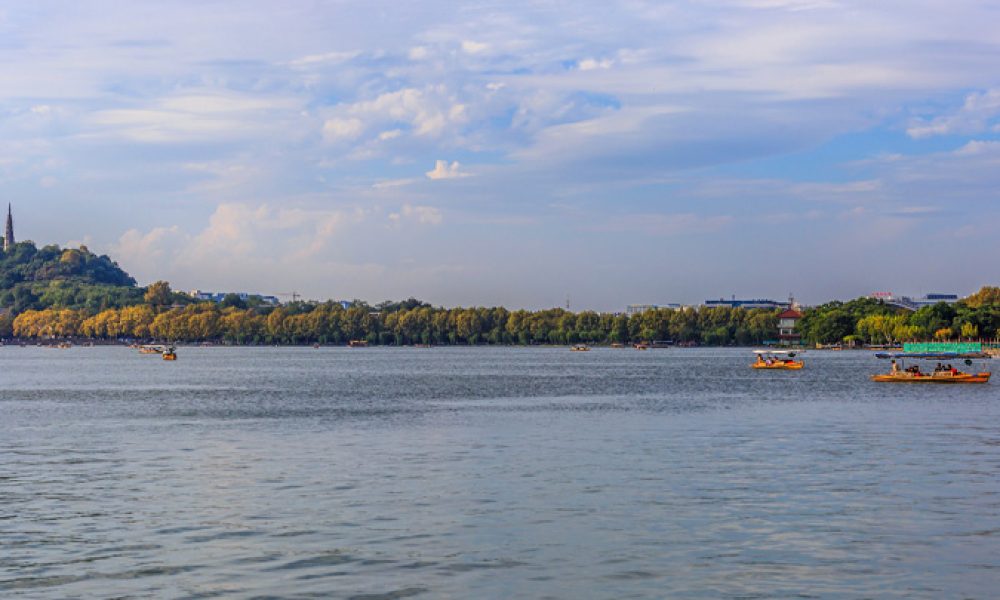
(914, 303)
(638, 309)
(220, 296)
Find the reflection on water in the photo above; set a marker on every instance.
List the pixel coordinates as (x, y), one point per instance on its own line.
(395, 473)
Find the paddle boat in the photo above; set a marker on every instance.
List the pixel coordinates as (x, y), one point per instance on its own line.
(152, 349)
(169, 354)
(776, 359)
(579, 348)
(942, 372)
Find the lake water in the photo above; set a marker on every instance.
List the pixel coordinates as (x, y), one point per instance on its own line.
(490, 473)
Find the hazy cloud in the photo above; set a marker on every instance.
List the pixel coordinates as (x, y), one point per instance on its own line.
(425, 215)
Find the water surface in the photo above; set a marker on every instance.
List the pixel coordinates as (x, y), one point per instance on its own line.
(490, 473)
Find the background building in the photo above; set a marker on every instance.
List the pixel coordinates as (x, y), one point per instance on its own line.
(220, 296)
(748, 304)
(911, 303)
(638, 309)
(787, 335)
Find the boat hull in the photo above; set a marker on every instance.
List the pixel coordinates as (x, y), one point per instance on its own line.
(939, 378)
(789, 366)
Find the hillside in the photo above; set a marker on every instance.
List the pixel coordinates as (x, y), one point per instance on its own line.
(38, 278)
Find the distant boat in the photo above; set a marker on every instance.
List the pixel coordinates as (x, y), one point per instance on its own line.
(641, 346)
(580, 348)
(776, 359)
(152, 349)
(169, 354)
(357, 343)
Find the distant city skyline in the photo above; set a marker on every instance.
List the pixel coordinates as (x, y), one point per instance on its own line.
(616, 152)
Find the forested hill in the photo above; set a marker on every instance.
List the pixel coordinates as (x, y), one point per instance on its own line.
(32, 277)
(25, 262)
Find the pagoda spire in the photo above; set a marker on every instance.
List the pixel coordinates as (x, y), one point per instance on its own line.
(8, 236)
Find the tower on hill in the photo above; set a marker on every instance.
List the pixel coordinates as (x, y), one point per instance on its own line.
(8, 236)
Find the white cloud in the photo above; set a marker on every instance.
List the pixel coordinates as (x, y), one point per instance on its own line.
(473, 47)
(342, 129)
(443, 170)
(590, 64)
(975, 115)
(977, 147)
(428, 112)
(199, 116)
(390, 135)
(326, 58)
(393, 183)
(241, 230)
(144, 254)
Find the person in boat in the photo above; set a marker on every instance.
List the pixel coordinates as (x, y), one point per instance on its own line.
(952, 370)
(895, 367)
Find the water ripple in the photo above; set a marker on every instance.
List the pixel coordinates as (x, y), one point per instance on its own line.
(489, 472)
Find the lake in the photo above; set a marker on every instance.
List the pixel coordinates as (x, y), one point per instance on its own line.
(490, 473)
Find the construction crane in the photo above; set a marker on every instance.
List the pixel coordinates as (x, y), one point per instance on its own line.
(295, 295)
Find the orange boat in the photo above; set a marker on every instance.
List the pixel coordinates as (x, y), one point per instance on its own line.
(776, 359)
(942, 373)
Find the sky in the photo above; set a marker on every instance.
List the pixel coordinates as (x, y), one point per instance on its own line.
(509, 153)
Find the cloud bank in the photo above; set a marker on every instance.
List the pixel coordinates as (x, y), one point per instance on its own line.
(675, 139)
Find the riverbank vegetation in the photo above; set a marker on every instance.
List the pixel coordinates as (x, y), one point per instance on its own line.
(53, 293)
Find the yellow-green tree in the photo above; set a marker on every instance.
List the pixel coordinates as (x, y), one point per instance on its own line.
(987, 295)
(158, 294)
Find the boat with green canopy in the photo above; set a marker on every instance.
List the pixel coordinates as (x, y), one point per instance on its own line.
(943, 371)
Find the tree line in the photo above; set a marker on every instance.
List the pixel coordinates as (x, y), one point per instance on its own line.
(391, 324)
(867, 320)
(413, 322)
(51, 292)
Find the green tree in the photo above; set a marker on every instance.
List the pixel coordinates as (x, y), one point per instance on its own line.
(157, 294)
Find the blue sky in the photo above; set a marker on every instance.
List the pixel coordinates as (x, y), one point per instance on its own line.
(512, 153)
